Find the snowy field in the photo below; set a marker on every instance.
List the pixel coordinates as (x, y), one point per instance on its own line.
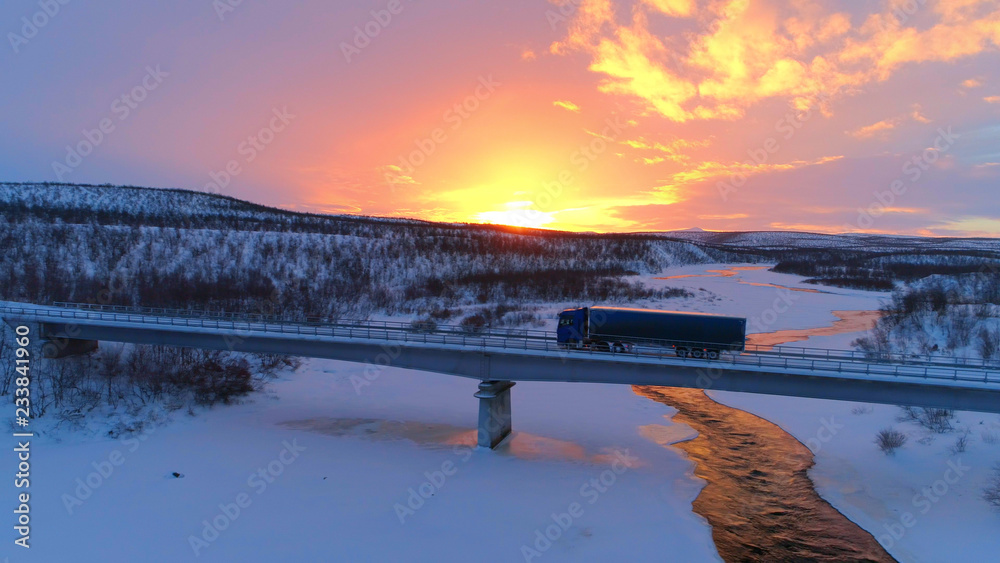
(385, 474)
(317, 468)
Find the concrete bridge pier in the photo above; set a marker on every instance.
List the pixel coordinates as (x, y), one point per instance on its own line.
(494, 412)
(58, 348)
(54, 347)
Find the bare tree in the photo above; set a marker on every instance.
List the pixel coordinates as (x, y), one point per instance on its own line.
(991, 493)
(109, 364)
(7, 371)
(989, 343)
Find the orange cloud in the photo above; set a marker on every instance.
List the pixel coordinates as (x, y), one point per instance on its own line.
(963, 28)
(718, 217)
(681, 8)
(744, 52)
(992, 99)
(875, 128)
(915, 115)
(709, 170)
(882, 128)
(669, 152)
(395, 175)
(805, 227)
(904, 210)
(567, 105)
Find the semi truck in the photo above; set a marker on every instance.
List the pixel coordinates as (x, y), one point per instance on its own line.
(618, 329)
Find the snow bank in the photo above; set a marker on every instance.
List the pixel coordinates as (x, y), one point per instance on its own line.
(384, 473)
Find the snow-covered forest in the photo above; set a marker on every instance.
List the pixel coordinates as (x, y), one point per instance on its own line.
(178, 248)
(942, 315)
(184, 249)
(191, 250)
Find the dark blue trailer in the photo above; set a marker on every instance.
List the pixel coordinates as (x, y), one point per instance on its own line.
(621, 329)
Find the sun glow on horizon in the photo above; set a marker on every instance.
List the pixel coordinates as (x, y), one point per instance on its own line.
(517, 214)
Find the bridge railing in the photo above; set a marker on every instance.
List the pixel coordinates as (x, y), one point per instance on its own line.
(874, 357)
(772, 350)
(492, 341)
(275, 319)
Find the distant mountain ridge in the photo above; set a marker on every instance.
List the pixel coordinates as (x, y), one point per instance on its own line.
(107, 204)
(779, 240)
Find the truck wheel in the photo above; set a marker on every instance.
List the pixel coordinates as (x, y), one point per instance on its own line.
(713, 354)
(697, 353)
(681, 353)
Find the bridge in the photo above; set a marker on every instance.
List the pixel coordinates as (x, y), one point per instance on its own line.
(498, 358)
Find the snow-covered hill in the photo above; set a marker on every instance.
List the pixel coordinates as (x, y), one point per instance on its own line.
(178, 248)
(783, 240)
(181, 248)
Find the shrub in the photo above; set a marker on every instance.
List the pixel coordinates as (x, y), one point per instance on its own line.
(989, 437)
(876, 344)
(961, 443)
(989, 343)
(270, 363)
(443, 313)
(220, 381)
(991, 493)
(424, 325)
(889, 440)
(935, 420)
(958, 327)
(474, 323)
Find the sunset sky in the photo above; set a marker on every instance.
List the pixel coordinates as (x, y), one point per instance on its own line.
(603, 115)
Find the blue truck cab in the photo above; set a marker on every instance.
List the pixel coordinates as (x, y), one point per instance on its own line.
(572, 327)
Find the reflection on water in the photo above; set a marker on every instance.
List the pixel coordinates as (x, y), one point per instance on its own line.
(727, 273)
(759, 499)
(800, 289)
(434, 435)
(731, 272)
(847, 321)
(423, 433)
